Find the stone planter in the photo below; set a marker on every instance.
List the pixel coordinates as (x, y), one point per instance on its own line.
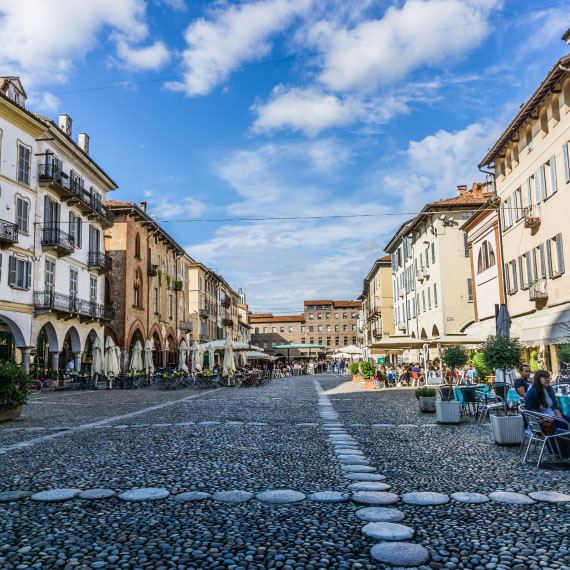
(448, 411)
(7, 415)
(507, 430)
(426, 404)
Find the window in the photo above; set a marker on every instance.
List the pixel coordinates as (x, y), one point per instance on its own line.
(345, 316)
(435, 294)
(311, 341)
(353, 340)
(24, 156)
(49, 277)
(73, 282)
(566, 161)
(311, 328)
(555, 255)
(470, 290)
(517, 204)
(303, 341)
(320, 340)
(310, 316)
(353, 328)
(264, 330)
(327, 315)
(137, 289)
(523, 277)
(329, 328)
(22, 214)
(429, 298)
(93, 288)
(551, 178)
(282, 329)
(337, 340)
(328, 340)
(75, 229)
(336, 316)
(19, 273)
(336, 328)
(538, 263)
(256, 330)
(423, 301)
(345, 340)
(486, 257)
(432, 252)
(76, 183)
(303, 327)
(273, 329)
(138, 246)
(156, 301)
(320, 328)
(511, 276)
(290, 329)
(344, 328)
(170, 306)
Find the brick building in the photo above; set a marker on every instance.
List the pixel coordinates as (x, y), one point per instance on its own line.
(326, 322)
(147, 284)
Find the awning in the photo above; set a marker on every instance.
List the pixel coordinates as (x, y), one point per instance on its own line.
(403, 342)
(549, 326)
(221, 344)
(256, 355)
(298, 346)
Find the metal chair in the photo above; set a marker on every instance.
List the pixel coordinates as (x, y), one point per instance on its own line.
(549, 442)
(488, 402)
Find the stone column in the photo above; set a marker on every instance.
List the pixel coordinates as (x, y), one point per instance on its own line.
(54, 360)
(26, 350)
(77, 361)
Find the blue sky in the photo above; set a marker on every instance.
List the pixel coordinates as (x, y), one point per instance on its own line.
(284, 108)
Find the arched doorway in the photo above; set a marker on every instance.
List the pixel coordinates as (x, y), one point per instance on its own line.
(157, 354)
(171, 352)
(88, 351)
(434, 331)
(46, 345)
(7, 344)
(70, 349)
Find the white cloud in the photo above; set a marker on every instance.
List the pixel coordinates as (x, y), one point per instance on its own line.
(233, 35)
(44, 102)
(166, 208)
(380, 51)
(311, 110)
(41, 41)
(179, 5)
(146, 58)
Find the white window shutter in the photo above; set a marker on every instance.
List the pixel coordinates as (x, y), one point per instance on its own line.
(566, 160)
(515, 280)
(28, 274)
(549, 258)
(553, 177)
(559, 254)
(542, 261)
(537, 192)
(542, 182)
(507, 275)
(529, 193)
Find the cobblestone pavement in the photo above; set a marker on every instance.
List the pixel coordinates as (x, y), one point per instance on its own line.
(305, 434)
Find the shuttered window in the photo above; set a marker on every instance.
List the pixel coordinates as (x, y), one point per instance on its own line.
(566, 161)
(523, 277)
(470, 290)
(19, 273)
(553, 176)
(555, 256)
(24, 163)
(22, 215)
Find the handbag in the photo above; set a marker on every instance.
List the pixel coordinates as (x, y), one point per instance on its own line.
(547, 426)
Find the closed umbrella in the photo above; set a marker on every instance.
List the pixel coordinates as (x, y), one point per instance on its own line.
(148, 362)
(97, 362)
(229, 366)
(136, 364)
(211, 355)
(196, 358)
(182, 352)
(503, 323)
(111, 360)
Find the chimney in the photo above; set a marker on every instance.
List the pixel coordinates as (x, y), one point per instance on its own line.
(462, 189)
(83, 142)
(143, 205)
(478, 188)
(65, 123)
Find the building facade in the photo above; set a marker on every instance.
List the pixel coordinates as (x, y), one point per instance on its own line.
(377, 312)
(432, 282)
(268, 330)
(531, 164)
(146, 284)
(53, 215)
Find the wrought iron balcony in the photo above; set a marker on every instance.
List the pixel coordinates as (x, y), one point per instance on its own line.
(8, 233)
(186, 326)
(203, 313)
(53, 237)
(227, 323)
(50, 175)
(100, 261)
(72, 306)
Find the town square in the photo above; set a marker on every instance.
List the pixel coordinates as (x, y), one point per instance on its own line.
(283, 284)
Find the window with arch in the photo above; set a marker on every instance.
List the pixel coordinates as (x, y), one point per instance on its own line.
(137, 289)
(138, 246)
(486, 257)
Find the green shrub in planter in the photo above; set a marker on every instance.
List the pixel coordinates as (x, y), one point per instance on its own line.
(502, 352)
(367, 370)
(354, 368)
(478, 362)
(425, 392)
(455, 357)
(14, 386)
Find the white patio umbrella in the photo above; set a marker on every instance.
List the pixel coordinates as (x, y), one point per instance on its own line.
(148, 363)
(229, 366)
(211, 355)
(97, 360)
(196, 358)
(136, 364)
(182, 355)
(111, 361)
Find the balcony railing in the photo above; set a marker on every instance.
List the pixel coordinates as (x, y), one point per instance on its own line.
(227, 323)
(186, 326)
(72, 305)
(99, 261)
(538, 290)
(50, 175)
(54, 237)
(203, 313)
(8, 233)
(531, 218)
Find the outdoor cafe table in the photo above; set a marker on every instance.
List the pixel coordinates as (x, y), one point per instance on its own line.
(564, 404)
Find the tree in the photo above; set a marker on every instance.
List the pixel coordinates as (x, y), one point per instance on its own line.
(455, 356)
(478, 362)
(14, 385)
(502, 352)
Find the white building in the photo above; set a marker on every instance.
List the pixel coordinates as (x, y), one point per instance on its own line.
(52, 218)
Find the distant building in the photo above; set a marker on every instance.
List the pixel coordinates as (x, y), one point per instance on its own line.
(332, 324)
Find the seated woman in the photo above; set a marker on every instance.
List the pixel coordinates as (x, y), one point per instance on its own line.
(541, 398)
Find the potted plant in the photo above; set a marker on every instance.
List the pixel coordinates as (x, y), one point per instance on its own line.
(14, 390)
(503, 352)
(478, 363)
(447, 408)
(354, 370)
(426, 399)
(367, 370)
